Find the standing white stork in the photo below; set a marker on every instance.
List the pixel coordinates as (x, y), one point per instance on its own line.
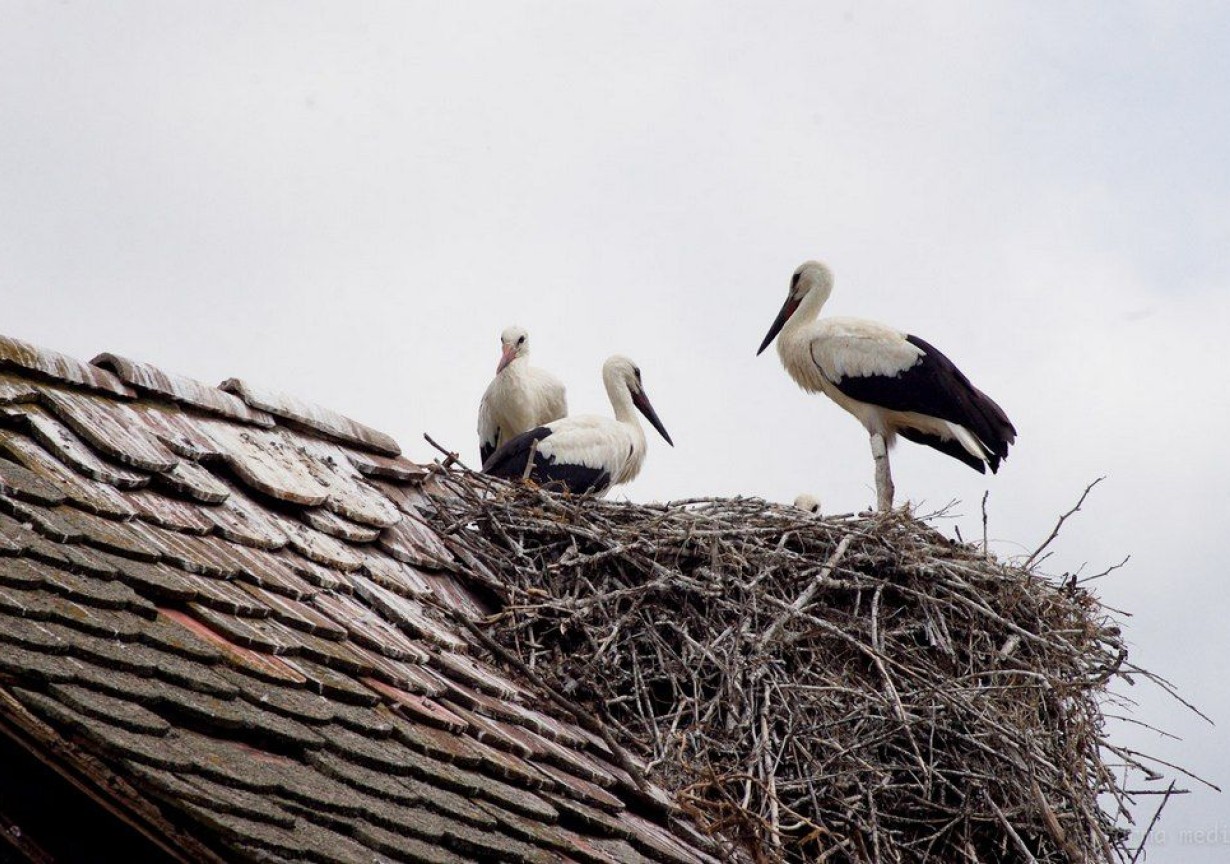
(894, 383)
(586, 453)
(520, 396)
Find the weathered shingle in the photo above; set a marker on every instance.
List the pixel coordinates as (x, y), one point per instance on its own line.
(179, 388)
(328, 423)
(83, 491)
(65, 445)
(21, 357)
(111, 428)
(23, 484)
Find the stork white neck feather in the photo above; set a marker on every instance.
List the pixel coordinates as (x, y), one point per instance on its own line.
(618, 390)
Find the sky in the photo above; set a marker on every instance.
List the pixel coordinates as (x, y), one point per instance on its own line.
(349, 202)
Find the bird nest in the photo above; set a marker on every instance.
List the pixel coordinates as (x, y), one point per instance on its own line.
(856, 688)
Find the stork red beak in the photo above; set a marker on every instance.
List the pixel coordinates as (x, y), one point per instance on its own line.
(782, 317)
(507, 356)
(641, 401)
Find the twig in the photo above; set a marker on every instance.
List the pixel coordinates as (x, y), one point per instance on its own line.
(450, 456)
(1156, 815)
(985, 546)
(1111, 569)
(803, 599)
(1055, 531)
(1016, 838)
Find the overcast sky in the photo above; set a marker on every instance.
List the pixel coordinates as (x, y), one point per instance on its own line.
(350, 201)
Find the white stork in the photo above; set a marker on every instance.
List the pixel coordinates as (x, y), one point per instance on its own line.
(520, 396)
(808, 502)
(894, 383)
(586, 453)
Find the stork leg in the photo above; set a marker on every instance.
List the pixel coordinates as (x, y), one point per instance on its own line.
(884, 477)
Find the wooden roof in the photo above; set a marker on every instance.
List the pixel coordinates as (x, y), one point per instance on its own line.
(222, 617)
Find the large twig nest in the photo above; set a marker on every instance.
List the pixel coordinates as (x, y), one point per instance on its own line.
(816, 689)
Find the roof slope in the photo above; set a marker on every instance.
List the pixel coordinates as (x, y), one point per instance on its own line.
(221, 612)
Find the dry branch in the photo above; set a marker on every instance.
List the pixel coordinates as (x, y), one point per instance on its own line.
(1059, 524)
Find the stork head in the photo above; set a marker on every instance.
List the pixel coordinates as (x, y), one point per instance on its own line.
(811, 280)
(620, 372)
(514, 343)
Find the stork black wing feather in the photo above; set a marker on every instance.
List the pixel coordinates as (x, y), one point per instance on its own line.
(936, 387)
(950, 447)
(509, 461)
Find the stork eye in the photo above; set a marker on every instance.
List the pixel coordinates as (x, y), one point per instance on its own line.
(794, 281)
(521, 340)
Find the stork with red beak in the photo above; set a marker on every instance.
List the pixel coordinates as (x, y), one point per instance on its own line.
(519, 398)
(894, 383)
(587, 453)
